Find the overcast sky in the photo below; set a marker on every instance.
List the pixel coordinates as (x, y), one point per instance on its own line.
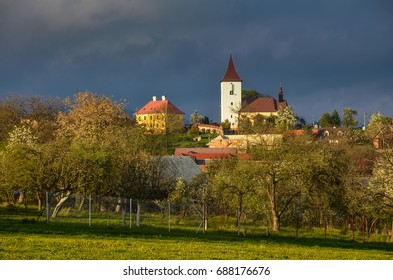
(327, 54)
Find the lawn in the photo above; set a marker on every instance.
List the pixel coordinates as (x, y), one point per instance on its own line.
(70, 238)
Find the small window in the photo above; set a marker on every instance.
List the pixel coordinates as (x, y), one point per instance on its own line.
(231, 92)
(231, 103)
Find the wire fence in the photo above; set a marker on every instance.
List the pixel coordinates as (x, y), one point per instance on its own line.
(117, 211)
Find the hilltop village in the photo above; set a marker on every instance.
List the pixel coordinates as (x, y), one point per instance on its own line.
(257, 160)
(247, 118)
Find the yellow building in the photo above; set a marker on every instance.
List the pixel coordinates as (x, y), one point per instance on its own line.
(160, 116)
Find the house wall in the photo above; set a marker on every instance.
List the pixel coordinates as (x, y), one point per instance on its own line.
(158, 123)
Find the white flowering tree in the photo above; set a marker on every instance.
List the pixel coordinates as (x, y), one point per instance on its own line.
(286, 117)
(22, 135)
(382, 182)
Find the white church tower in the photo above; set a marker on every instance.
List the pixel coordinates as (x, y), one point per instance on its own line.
(231, 95)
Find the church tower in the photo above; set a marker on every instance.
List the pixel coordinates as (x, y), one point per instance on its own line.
(231, 95)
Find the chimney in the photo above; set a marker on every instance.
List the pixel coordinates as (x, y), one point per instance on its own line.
(154, 98)
(163, 97)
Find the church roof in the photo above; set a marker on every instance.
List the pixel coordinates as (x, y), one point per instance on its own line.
(264, 104)
(159, 106)
(231, 75)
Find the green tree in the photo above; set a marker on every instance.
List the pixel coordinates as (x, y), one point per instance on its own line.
(335, 119)
(235, 186)
(245, 125)
(349, 117)
(325, 120)
(226, 125)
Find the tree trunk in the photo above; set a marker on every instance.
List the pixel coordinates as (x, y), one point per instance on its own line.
(123, 213)
(21, 197)
(40, 200)
(82, 203)
(239, 213)
(276, 221)
(138, 213)
(204, 218)
(59, 205)
(353, 227)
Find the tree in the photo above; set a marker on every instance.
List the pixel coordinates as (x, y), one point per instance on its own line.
(89, 115)
(325, 120)
(195, 117)
(37, 113)
(349, 117)
(11, 110)
(250, 94)
(335, 119)
(382, 182)
(18, 167)
(276, 169)
(226, 125)
(245, 125)
(235, 186)
(205, 120)
(286, 117)
(380, 129)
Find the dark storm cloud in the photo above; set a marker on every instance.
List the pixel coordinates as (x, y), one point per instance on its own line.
(328, 55)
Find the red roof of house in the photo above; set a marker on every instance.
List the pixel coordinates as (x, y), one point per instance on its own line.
(210, 151)
(159, 106)
(231, 74)
(264, 104)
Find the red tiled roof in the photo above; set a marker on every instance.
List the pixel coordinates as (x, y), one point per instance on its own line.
(159, 106)
(231, 74)
(193, 151)
(209, 156)
(264, 104)
(261, 104)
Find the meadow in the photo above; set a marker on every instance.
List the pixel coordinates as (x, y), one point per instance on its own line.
(69, 237)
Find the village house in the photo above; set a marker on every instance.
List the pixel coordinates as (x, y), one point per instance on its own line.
(160, 116)
(210, 128)
(242, 143)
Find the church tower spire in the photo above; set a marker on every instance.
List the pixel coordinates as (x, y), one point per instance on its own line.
(280, 94)
(231, 95)
(231, 75)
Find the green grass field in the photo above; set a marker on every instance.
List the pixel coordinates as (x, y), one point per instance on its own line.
(71, 238)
